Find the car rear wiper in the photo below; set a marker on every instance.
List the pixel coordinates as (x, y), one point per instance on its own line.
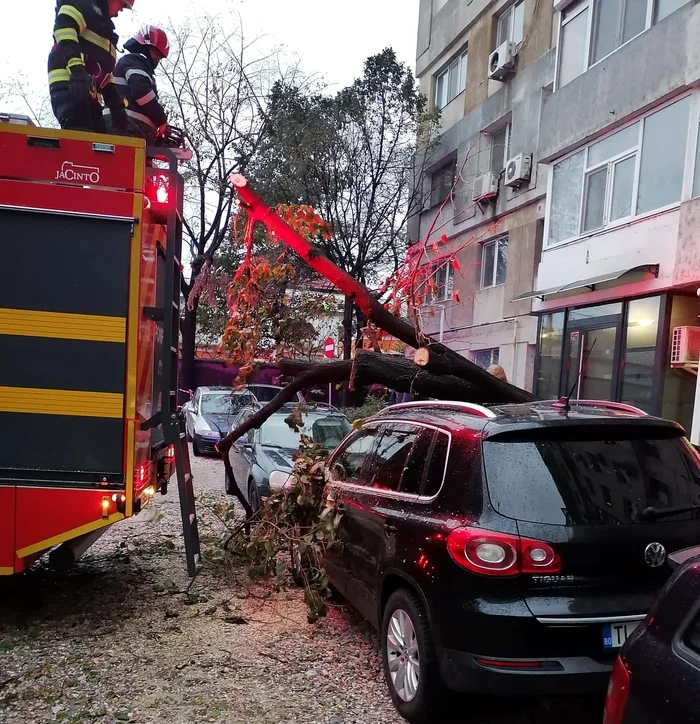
(652, 513)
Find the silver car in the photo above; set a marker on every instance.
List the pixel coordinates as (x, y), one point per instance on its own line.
(209, 414)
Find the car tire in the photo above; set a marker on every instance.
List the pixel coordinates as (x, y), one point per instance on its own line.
(195, 447)
(253, 495)
(408, 659)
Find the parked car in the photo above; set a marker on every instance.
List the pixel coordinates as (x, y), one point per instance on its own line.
(508, 550)
(267, 393)
(208, 416)
(656, 678)
(258, 454)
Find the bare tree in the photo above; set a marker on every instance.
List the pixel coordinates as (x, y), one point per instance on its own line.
(217, 87)
(353, 158)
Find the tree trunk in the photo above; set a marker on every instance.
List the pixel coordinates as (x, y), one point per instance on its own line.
(188, 327)
(396, 373)
(440, 355)
(347, 344)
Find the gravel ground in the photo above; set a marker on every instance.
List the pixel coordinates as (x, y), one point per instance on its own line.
(121, 638)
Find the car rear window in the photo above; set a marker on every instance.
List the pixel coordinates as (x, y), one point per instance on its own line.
(590, 481)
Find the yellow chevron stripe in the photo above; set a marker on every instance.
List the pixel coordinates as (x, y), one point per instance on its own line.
(74, 14)
(69, 535)
(57, 76)
(99, 41)
(57, 325)
(63, 34)
(6, 571)
(36, 401)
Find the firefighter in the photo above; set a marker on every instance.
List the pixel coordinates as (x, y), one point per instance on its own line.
(81, 63)
(134, 76)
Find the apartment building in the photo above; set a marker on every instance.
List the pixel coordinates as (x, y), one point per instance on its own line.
(490, 121)
(602, 273)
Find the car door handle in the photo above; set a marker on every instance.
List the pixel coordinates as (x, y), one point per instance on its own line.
(390, 528)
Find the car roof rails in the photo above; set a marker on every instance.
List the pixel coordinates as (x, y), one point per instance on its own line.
(620, 406)
(468, 407)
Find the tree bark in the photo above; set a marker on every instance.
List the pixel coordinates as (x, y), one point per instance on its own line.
(441, 357)
(188, 328)
(396, 373)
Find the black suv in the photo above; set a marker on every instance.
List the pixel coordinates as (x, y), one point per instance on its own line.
(508, 549)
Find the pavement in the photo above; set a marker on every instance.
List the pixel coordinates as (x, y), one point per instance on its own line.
(125, 636)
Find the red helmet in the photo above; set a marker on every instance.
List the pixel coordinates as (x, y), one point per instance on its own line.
(155, 37)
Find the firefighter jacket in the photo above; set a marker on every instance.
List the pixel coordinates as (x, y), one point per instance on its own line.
(84, 35)
(133, 77)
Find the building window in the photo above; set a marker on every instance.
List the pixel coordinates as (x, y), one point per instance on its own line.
(500, 146)
(494, 257)
(451, 82)
(665, 7)
(633, 171)
(511, 25)
(441, 182)
(486, 357)
(573, 44)
(440, 284)
(439, 5)
(593, 29)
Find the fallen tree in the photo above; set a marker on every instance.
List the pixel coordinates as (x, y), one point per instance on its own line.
(367, 368)
(445, 373)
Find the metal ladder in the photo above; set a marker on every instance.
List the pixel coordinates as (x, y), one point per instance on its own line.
(170, 415)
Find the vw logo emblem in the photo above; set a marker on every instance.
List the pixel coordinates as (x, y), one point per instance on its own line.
(655, 555)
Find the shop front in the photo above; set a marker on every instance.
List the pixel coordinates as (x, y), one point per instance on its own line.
(619, 351)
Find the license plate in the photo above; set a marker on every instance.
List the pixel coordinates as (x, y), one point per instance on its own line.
(615, 634)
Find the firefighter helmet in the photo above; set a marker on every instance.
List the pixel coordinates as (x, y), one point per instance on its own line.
(151, 36)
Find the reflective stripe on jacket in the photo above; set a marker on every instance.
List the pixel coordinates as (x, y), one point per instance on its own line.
(84, 35)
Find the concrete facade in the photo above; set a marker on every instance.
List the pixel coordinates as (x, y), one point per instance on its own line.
(631, 276)
(486, 318)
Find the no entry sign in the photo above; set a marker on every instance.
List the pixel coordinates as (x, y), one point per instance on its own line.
(329, 348)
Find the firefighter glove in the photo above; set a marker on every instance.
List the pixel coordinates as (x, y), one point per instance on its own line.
(119, 117)
(79, 84)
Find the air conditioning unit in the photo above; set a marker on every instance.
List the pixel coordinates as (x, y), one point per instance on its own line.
(685, 347)
(518, 170)
(502, 61)
(485, 187)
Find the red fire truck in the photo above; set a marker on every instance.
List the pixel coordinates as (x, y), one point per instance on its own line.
(90, 431)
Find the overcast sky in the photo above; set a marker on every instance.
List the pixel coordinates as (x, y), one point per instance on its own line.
(329, 37)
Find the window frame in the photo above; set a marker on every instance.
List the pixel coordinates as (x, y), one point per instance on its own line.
(493, 243)
(506, 147)
(452, 166)
(458, 61)
(688, 177)
(446, 290)
(576, 9)
(497, 350)
(510, 12)
(395, 493)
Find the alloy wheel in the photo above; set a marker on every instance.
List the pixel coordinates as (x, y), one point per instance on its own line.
(402, 655)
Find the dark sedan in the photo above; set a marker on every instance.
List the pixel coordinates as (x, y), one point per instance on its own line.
(257, 455)
(656, 678)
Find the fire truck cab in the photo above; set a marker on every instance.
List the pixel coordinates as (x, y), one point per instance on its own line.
(90, 272)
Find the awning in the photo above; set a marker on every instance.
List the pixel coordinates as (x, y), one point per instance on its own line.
(589, 283)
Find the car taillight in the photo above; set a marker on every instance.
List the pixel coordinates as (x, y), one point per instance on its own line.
(618, 693)
(500, 554)
(481, 551)
(170, 454)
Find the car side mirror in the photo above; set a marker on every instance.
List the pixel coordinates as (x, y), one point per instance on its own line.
(243, 441)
